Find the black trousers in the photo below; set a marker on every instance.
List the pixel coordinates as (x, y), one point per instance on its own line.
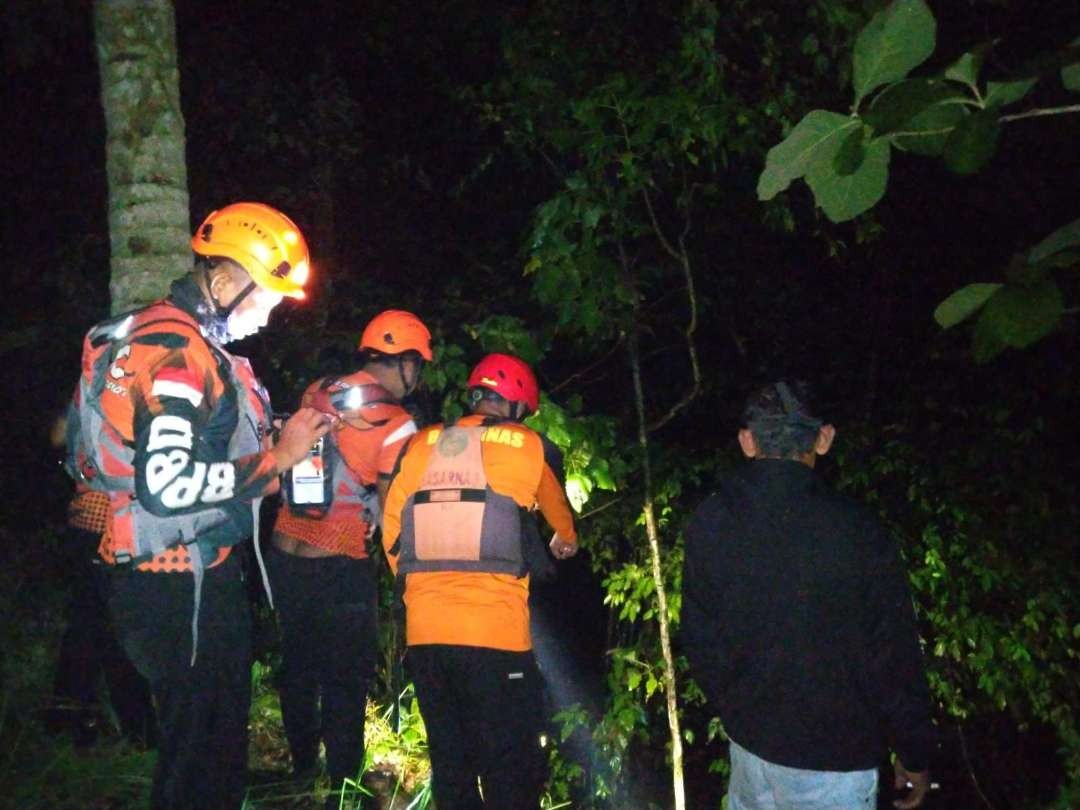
(202, 709)
(483, 709)
(326, 609)
(89, 649)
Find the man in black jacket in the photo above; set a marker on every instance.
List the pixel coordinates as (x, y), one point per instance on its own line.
(798, 625)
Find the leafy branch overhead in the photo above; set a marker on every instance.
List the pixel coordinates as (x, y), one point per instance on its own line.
(1022, 310)
(844, 158)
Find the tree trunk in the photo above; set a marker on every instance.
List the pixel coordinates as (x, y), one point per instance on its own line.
(149, 219)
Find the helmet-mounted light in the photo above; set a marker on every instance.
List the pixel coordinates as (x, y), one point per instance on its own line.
(338, 398)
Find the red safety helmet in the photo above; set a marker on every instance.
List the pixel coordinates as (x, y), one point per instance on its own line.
(508, 376)
(396, 331)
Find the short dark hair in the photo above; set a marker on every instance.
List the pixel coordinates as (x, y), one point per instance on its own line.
(783, 418)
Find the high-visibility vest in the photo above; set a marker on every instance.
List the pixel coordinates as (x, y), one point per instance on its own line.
(101, 449)
(455, 521)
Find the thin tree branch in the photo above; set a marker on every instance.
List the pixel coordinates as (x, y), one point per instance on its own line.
(1069, 108)
(601, 508)
(689, 207)
(971, 770)
(652, 532)
(684, 261)
(1033, 113)
(578, 374)
(656, 227)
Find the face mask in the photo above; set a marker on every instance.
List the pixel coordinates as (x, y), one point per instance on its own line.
(241, 324)
(252, 315)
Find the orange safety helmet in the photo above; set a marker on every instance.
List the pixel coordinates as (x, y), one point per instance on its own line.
(262, 240)
(508, 376)
(396, 331)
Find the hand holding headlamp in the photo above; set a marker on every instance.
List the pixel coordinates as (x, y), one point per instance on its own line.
(368, 401)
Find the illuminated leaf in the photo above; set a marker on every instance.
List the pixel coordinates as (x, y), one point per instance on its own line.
(963, 303)
(1021, 315)
(998, 94)
(852, 152)
(929, 131)
(814, 142)
(895, 41)
(843, 197)
(966, 69)
(1064, 237)
(899, 103)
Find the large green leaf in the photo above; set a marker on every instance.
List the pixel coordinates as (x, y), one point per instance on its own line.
(972, 143)
(929, 131)
(963, 303)
(852, 152)
(843, 197)
(1021, 315)
(814, 141)
(1064, 237)
(986, 344)
(966, 69)
(899, 103)
(895, 41)
(998, 94)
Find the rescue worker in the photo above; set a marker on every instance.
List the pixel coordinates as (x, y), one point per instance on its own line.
(453, 528)
(89, 648)
(323, 579)
(176, 432)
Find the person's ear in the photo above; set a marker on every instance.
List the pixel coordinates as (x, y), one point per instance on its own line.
(748, 443)
(220, 280)
(824, 439)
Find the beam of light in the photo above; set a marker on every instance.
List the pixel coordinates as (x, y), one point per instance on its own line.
(567, 685)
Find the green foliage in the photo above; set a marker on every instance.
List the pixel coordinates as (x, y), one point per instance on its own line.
(1025, 308)
(1002, 618)
(972, 142)
(398, 752)
(1023, 314)
(897, 40)
(945, 115)
(1064, 238)
(1070, 69)
(857, 184)
(963, 303)
(814, 143)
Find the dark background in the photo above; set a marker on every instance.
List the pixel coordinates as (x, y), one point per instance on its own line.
(345, 116)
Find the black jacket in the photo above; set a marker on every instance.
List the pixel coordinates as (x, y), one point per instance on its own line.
(798, 624)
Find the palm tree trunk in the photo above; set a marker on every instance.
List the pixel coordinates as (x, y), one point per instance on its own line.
(149, 218)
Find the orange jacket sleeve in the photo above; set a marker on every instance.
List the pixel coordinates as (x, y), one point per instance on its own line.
(181, 461)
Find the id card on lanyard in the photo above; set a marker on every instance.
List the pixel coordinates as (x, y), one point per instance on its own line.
(308, 477)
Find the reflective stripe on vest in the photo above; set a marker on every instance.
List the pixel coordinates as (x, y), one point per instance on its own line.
(455, 521)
